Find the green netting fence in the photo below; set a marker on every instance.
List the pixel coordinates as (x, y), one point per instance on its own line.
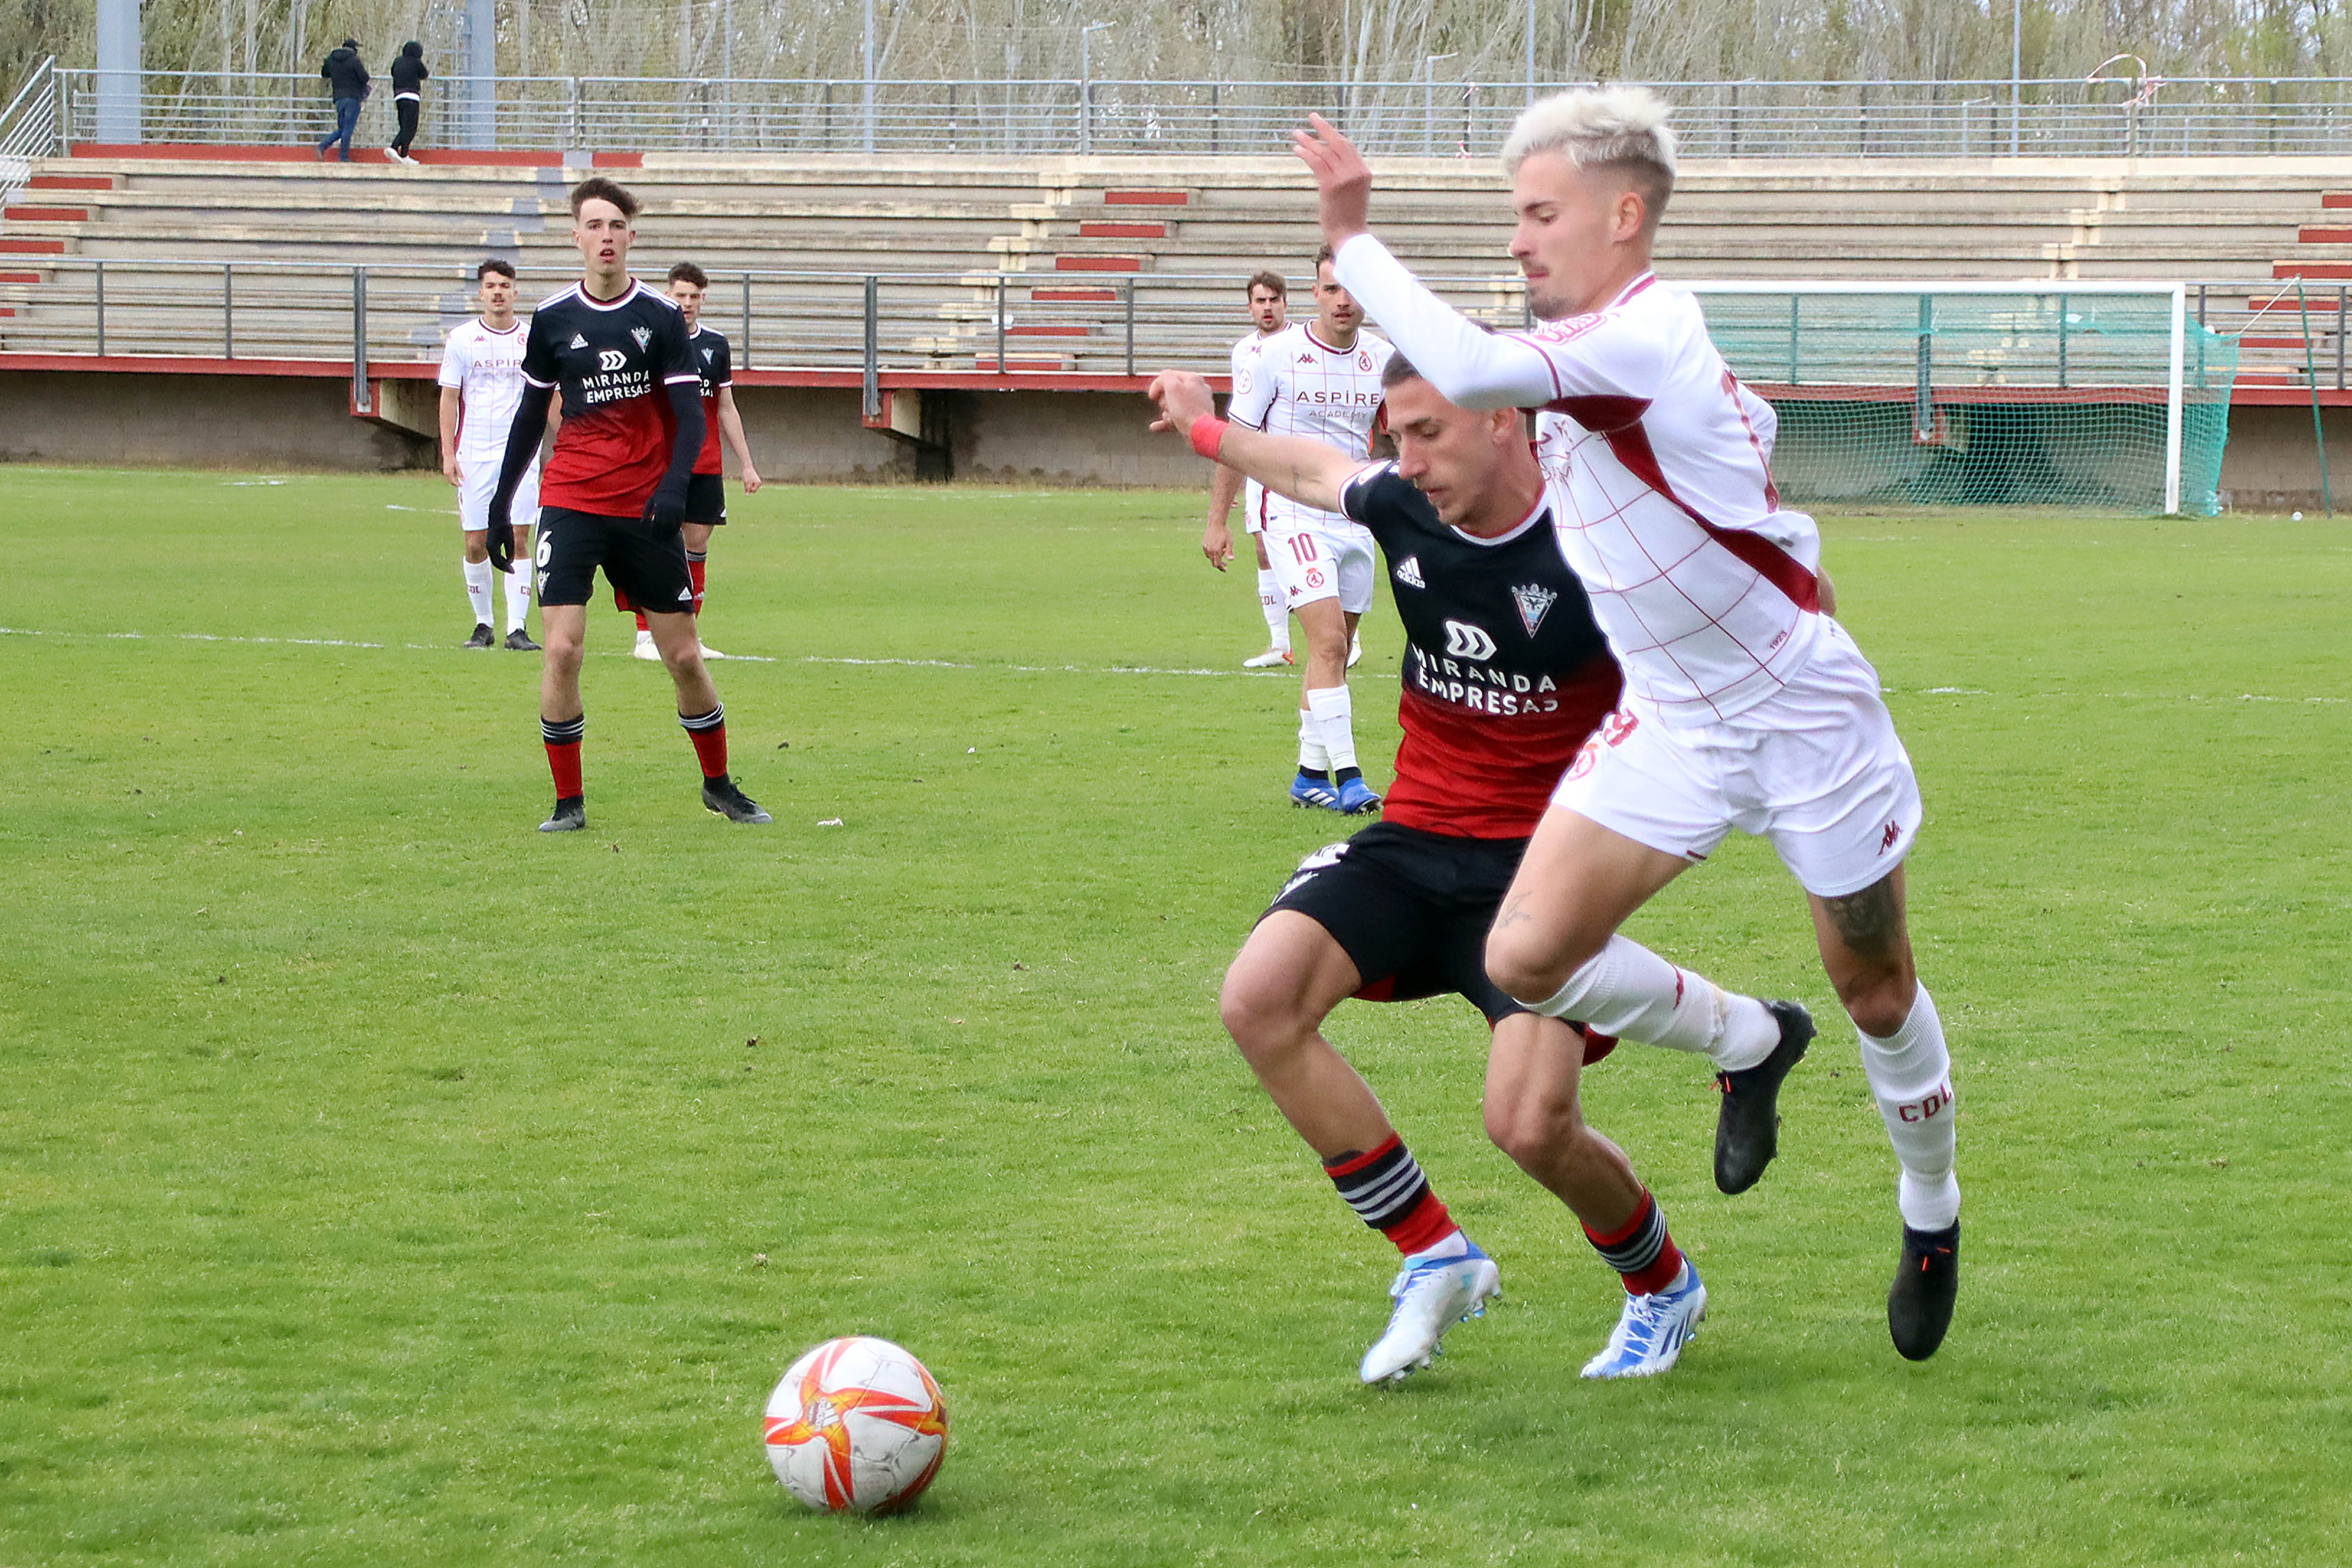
(2039, 398)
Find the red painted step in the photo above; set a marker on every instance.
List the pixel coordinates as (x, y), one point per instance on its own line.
(2336, 199)
(1098, 264)
(22, 277)
(2313, 300)
(2327, 270)
(2271, 342)
(31, 247)
(1158, 198)
(2324, 234)
(1045, 332)
(1013, 364)
(45, 215)
(70, 183)
(1122, 231)
(1085, 294)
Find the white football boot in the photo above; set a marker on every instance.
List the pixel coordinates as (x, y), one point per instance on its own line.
(646, 650)
(709, 652)
(1652, 1331)
(1355, 651)
(1430, 1298)
(1271, 659)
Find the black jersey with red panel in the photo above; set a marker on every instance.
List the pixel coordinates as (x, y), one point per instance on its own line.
(615, 360)
(1505, 672)
(717, 369)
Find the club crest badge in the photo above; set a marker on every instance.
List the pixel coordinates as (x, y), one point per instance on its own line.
(1535, 602)
(644, 336)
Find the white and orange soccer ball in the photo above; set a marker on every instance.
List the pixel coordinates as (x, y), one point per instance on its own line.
(856, 1427)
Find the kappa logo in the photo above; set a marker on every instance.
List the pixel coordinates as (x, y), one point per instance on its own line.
(611, 359)
(1464, 640)
(577, 342)
(1535, 601)
(1307, 359)
(644, 336)
(1408, 572)
(1886, 840)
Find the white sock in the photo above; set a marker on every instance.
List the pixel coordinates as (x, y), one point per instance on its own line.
(519, 598)
(1277, 616)
(1630, 992)
(478, 591)
(1454, 1246)
(1333, 716)
(1910, 1072)
(1312, 757)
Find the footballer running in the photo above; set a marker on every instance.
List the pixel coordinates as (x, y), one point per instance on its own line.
(1747, 705)
(615, 491)
(481, 382)
(1270, 308)
(706, 492)
(1320, 379)
(1505, 677)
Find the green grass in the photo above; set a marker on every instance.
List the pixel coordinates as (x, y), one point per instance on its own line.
(381, 1182)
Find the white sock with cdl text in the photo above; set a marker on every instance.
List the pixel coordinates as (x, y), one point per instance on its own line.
(1628, 990)
(1910, 1074)
(477, 591)
(1277, 615)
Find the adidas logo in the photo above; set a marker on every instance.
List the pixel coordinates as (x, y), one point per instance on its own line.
(1408, 572)
(578, 341)
(1535, 601)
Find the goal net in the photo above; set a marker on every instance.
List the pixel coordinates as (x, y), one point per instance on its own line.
(2087, 395)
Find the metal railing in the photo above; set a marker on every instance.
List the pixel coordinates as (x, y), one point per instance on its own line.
(29, 128)
(869, 325)
(2146, 116)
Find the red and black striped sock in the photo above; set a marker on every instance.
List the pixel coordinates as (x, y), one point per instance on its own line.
(708, 733)
(1640, 1249)
(1388, 1192)
(562, 737)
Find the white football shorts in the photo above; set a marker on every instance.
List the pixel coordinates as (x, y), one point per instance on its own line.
(1817, 769)
(481, 482)
(1318, 555)
(1253, 498)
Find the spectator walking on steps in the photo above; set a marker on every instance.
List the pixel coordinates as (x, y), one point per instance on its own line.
(347, 77)
(408, 74)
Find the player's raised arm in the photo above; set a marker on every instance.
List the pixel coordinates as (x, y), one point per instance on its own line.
(1295, 467)
(1466, 363)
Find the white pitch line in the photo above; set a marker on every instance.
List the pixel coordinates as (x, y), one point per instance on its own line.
(728, 659)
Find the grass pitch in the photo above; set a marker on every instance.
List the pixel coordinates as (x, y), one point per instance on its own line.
(382, 1181)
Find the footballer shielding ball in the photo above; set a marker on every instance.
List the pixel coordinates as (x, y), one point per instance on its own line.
(856, 1427)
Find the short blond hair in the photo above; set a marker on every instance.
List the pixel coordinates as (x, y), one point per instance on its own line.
(1609, 127)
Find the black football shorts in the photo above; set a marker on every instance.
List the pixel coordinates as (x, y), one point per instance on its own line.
(644, 562)
(706, 498)
(1411, 910)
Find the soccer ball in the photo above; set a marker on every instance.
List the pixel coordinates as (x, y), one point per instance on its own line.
(856, 1427)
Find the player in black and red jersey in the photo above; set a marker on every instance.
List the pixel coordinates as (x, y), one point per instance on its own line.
(614, 492)
(706, 493)
(1505, 676)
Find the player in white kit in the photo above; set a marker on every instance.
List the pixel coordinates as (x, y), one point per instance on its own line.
(1269, 307)
(1745, 705)
(481, 382)
(1320, 379)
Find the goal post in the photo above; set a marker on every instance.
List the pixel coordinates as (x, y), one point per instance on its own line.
(2084, 395)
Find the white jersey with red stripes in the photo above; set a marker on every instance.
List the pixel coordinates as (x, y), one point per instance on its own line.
(1292, 383)
(1659, 463)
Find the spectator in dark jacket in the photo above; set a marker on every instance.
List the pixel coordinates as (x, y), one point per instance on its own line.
(408, 74)
(348, 79)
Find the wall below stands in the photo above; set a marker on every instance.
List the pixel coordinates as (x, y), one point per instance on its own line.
(800, 434)
(2271, 463)
(162, 420)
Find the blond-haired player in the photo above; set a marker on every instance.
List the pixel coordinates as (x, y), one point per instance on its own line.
(1747, 705)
